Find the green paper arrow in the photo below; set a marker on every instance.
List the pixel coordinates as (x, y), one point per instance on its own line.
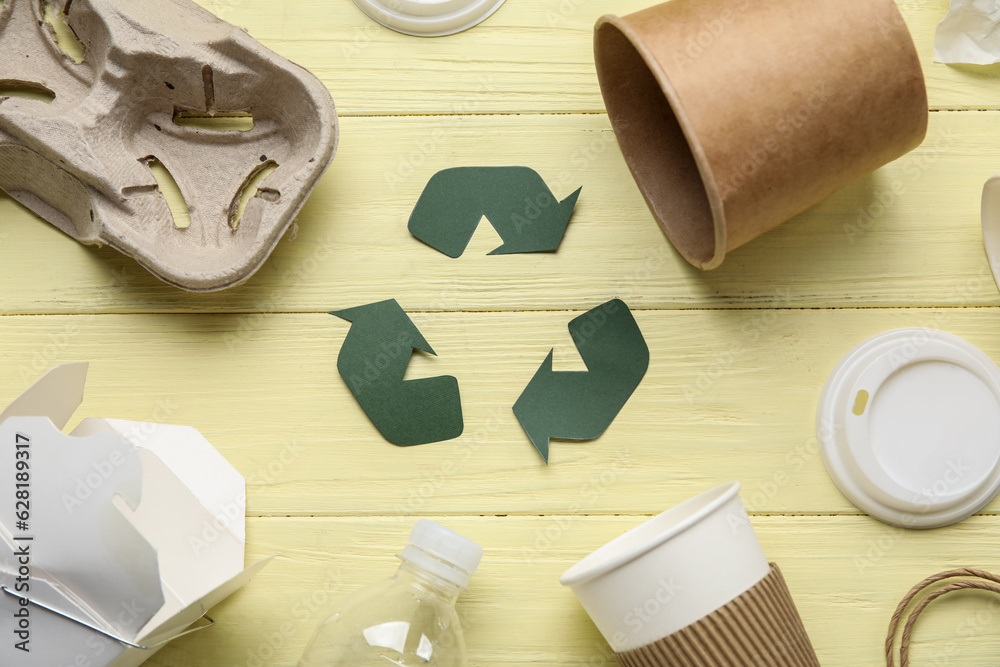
(515, 200)
(580, 405)
(373, 361)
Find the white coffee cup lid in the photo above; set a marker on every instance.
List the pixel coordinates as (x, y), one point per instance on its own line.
(429, 18)
(909, 428)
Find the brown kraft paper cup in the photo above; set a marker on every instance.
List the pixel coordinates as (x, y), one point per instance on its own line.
(760, 628)
(736, 115)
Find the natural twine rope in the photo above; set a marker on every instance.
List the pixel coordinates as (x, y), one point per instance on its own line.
(978, 579)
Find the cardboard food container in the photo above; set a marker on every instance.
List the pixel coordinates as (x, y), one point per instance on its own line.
(691, 587)
(114, 539)
(736, 115)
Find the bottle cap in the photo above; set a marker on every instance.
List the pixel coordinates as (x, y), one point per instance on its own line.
(909, 428)
(443, 552)
(429, 18)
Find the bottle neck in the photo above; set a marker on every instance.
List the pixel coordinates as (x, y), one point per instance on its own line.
(416, 576)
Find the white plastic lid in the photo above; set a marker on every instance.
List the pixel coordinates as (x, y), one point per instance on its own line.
(429, 18)
(909, 428)
(443, 552)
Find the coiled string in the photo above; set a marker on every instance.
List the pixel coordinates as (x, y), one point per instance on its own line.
(975, 579)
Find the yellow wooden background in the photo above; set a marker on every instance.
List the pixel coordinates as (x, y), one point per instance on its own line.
(738, 356)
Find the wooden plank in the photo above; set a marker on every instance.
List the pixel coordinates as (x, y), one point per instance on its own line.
(908, 235)
(738, 356)
(529, 57)
(846, 575)
(728, 395)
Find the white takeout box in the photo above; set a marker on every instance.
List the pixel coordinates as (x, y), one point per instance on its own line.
(130, 531)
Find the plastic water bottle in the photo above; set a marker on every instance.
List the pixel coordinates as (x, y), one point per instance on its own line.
(408, 619)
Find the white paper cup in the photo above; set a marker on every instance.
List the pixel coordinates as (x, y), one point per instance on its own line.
(671, 571)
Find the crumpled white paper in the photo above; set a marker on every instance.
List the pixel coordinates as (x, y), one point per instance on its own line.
(969, 33)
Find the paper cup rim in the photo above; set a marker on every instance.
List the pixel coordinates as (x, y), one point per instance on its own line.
(711, 186)
(991, 225)
(636, 542)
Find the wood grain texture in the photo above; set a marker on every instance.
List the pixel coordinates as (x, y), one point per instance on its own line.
(730, 394)
(846, 575)
(738, 356)
(908, 235)
(529, 57)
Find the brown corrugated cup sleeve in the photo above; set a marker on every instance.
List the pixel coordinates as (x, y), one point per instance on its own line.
(760, 628)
